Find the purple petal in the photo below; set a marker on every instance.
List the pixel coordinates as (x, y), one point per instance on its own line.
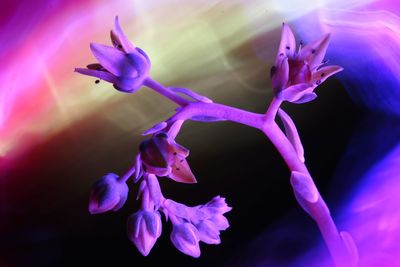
(185, 238)
(178, 209)
(156, 128)
(128, 84)
(220, 221)
(139, 50)
(314, 52)
(306, 98)
(114, 60)
(123, 195)
(138, 169)
(191, 94)
(153, 223)
(287, 45)
(324, 73)
(281, 75)
(292, 134)
(127, 46)
(294, 92)
(208, 232)
(142, 187)
(304, 186)
(154, 189)
(104, 75)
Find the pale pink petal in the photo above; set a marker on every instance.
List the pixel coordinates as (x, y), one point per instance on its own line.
(292, 134)
(287, 45)
(114, 60)
(180, 172)
(154, 189)
(156, 128)
(294, 92)
(314, 52)
(324, 73)
(306, 98)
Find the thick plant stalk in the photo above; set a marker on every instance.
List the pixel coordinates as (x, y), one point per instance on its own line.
(343, 252)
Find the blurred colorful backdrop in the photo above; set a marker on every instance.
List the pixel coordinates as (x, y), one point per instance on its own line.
(60, 131)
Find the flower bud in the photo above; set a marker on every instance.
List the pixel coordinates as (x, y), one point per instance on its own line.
(144, 228)
(107, 194)
(185, 238)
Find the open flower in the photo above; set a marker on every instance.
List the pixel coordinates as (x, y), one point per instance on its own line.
(296, 74)
(144, 228)
(107, 194)
(162, 156)
(123, 65)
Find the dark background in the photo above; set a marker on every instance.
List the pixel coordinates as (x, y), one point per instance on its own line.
(44, 214)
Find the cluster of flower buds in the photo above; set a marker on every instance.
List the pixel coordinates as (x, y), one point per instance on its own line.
(161, 156)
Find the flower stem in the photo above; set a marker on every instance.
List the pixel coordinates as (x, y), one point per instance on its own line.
(154, 85)
(273, 108)
(128, 174)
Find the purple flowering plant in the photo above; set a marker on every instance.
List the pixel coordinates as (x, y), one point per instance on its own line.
(295, 75)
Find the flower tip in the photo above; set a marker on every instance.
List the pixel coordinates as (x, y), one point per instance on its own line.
(116, 21)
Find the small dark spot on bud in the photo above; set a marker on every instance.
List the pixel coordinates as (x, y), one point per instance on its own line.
(174, 153)
(120, 46)
(322, 74)
(287, 47)
(96, 81)
(318, 82)
(313, 51)
(281, 54)
(181, 160)
(177, 169)
(301, 43)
